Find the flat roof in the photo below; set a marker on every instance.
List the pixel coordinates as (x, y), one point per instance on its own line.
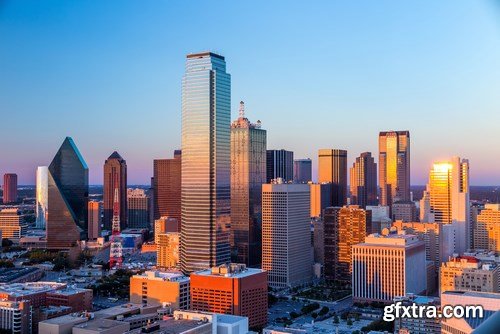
(204, 54)
(238, 274)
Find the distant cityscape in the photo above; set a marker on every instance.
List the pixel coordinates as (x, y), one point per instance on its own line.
(232, 236)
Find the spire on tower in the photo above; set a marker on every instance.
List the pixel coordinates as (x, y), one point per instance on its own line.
(242, 109)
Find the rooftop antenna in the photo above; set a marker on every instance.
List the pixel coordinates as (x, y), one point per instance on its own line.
(242, 109)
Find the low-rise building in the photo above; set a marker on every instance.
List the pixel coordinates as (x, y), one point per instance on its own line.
(467, 273)
(158, 288)
(420, 325)
(231, 289)
(488, 323)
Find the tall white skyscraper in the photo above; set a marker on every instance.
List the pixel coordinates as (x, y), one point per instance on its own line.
(449, 198)
(205, 194)
(42, 188)
(286, 230)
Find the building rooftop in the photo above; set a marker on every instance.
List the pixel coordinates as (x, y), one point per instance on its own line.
(476, 294)
(73, 318)
(233, 270)
(391, 239)
(26, 289)
(171, 276)
(204, 54)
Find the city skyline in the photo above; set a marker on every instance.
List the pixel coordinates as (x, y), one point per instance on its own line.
(360, 72)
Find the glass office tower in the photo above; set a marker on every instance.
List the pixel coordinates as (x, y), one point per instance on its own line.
(205, 193)
(42, 188)
(394, 166)
(68, 190)
(248, 173)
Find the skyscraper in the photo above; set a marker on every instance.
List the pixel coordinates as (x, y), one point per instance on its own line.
(286, 247)
(332, 168)
(487, 231)
(248, 173)
(302, 170)
(364, 180)
(94, 218)
(343, 228)
(67, 197)
(115, 176)
(138, 209)
(449, 198)
(394, 166)
(279, 164)
(167, 187)
(9, 188)
(42, 189)
(205, 199)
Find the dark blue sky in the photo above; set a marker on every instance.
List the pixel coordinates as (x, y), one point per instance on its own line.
(318, 74)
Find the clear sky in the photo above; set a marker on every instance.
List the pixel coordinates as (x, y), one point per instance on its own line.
(318, 74)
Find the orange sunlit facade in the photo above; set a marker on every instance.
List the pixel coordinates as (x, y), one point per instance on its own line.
(231, 289)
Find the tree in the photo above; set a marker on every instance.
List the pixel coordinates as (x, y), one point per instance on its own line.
(349, 322)
(7, 243)
(6, 264)
(314, 315)
(294, 314)
(324, 310)
(336, 319)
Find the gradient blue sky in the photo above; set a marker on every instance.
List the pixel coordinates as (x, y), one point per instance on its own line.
(319, 74)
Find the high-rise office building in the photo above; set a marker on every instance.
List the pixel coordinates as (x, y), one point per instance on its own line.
(302, 170)
(164, 225)
(167, 187)
(167, 250)
(248, 173)
(160, 288)
(138, 209)
(343, 228)
(487, 229)
(115, 177)
(95, 220)
(205, 195)
(449, 198)
(9, 188)
(467, 273)
(332, 168)
(286, 251)
(384, 267)
(321, 198)
(12, 224)
(279, 164)
(68, 197)
(363, 174)
(394, 166)
(231, 289)
(42, 194)
(434, 236)
(405, 211)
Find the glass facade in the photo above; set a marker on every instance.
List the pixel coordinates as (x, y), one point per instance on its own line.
(302, 170)
(42, 194)
(248, 173)
(364, 181)
(205, 194)
(333, 169)
(279, 164)
(68, 188)
(394, 166)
